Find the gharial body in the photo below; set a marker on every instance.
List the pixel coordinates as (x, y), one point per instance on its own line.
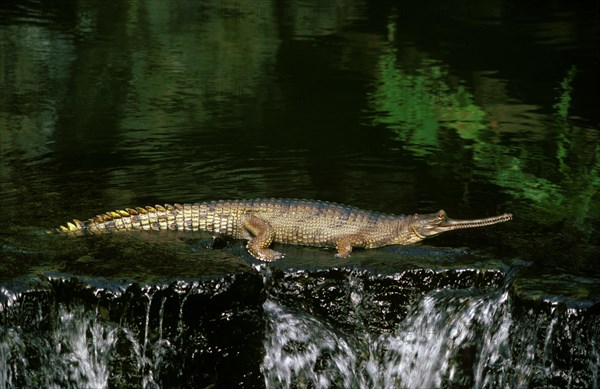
(290, 221)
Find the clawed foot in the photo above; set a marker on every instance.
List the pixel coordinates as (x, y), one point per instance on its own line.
(269, 255)
(266, 255)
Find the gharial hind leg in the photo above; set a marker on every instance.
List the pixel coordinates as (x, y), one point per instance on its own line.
(262, 236)
(344, 245)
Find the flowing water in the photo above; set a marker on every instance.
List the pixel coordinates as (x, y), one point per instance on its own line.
(452, 337)
(426, 350)
(400, 107)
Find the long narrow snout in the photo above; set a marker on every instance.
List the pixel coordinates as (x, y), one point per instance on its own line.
(433, 224)
(452, 224)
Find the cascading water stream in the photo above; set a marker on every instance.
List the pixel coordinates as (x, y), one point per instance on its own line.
(427, 349)
(448, 337)
(76, 354)
(451, 338)
(78, 347)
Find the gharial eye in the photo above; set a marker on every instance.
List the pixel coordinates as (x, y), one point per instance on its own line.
(441, 216)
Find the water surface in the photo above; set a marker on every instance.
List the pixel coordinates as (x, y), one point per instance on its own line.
(402, 108)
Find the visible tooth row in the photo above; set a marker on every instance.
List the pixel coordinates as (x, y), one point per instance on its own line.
(487, 222)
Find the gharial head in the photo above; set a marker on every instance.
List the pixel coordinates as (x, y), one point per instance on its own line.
(424, 226)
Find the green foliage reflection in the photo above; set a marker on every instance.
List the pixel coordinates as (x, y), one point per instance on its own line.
(416, 106)
(422, 107)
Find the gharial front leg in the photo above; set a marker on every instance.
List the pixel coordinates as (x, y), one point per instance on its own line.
(262, 236)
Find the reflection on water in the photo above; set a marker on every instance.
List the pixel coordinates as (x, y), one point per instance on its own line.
(477, 110)
(424, 110)
(400, 107)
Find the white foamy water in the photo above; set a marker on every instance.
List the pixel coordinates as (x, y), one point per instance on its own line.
(452, 337)
(76, 354)
(467, 338)
(77, 348)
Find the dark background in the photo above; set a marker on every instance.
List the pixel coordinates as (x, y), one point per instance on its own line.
(478, 108)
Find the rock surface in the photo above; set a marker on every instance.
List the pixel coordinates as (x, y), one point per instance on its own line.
(141, 310)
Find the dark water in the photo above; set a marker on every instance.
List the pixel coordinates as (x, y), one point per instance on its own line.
(402, 107)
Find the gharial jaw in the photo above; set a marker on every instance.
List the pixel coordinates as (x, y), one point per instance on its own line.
(426, 226)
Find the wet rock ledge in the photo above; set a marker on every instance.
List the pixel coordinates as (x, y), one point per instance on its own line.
(124, 312)
(130, 311)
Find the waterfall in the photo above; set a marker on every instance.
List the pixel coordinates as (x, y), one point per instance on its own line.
(451, 338)
(75, 354)
(428, 349)
(230, 332)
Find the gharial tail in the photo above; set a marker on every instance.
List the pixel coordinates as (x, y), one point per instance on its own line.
(141, 218)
